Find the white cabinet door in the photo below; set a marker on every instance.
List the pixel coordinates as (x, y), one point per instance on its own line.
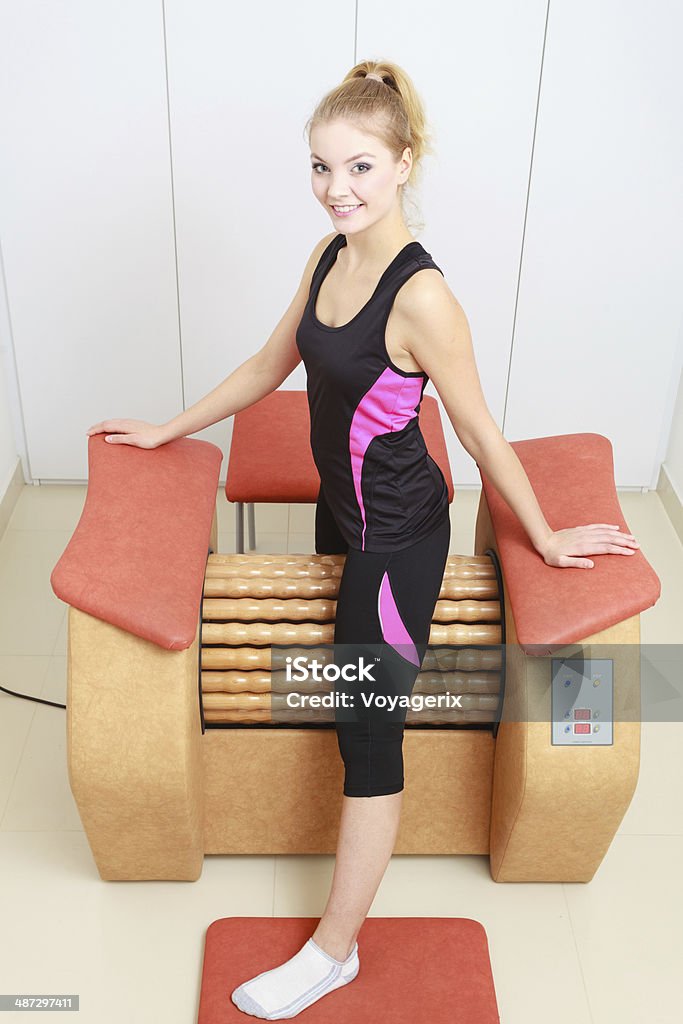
(243, 81)
(553, 206)
(86, 222)
(476, 67)
(599, 306)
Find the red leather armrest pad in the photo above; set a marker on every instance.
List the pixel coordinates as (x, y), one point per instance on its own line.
(270, 454)
(137, 557)
(572, 476)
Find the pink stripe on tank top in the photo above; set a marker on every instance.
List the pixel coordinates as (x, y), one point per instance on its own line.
(384, 409)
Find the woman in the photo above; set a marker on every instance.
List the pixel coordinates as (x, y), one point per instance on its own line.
(373, 320)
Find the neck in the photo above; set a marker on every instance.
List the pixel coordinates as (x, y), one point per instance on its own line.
(376, 248)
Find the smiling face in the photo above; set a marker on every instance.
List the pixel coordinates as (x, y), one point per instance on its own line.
(352, 168)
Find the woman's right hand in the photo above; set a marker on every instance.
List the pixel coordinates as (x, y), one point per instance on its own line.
(134, 432)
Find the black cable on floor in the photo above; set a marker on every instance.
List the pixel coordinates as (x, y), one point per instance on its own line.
(38, 700)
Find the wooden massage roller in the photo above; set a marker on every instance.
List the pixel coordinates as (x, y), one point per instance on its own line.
(251, 602)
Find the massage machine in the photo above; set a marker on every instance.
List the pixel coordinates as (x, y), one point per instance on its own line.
(180, 745)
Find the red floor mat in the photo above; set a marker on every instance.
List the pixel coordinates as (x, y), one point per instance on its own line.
(413, 970)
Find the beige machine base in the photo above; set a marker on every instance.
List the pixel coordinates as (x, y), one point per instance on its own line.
(155, 795)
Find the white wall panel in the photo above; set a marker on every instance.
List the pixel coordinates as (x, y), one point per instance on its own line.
(86, 221)
(600, 297)
(476, 67)
(573, 304)
(243, 81)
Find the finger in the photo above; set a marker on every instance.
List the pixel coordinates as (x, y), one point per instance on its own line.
(611, 549)
(573, 562)
(105, 425)
(130, 439)
(625, 541)
(614, 537)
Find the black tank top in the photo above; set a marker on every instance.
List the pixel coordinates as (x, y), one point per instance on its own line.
(384, 490)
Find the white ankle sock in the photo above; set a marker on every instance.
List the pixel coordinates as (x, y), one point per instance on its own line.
(286, 990)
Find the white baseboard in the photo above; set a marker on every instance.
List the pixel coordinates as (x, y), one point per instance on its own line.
(670, 500)
(11, 496)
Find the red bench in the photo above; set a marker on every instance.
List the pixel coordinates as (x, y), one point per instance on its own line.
(271, 461)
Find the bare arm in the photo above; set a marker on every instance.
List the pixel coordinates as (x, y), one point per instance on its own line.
(251, 381)
(255, 378)
(259, 375)
(439, 339)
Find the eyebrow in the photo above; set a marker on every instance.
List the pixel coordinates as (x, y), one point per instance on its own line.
(314, 156)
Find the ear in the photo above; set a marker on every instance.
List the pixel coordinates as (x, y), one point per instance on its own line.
(407, 157)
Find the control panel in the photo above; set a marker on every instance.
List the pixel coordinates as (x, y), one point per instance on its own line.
(582, 701)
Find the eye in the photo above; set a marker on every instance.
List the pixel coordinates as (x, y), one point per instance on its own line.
(314, 166)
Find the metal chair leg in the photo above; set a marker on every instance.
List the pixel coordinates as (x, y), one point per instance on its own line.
(251, 525)
(239, 527)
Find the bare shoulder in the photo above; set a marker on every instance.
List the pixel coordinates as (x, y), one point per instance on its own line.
(426, 307)
(313, 259)
(280, 354)
(432, 322)
(426, 297)
(323, 244)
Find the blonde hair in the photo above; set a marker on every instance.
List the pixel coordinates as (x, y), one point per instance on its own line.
(391, 110)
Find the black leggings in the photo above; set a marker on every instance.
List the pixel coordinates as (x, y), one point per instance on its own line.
(388, 599)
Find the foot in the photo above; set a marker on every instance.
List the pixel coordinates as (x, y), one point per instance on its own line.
(288, 989)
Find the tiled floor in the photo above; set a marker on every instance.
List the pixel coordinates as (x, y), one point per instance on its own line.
(598, 953)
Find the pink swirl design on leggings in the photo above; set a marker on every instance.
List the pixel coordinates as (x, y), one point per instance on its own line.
(393, 627)
(384, 409)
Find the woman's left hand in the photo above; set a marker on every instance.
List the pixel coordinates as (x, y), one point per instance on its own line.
(564, 547)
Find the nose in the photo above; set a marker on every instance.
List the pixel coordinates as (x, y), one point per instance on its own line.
(335, 196)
